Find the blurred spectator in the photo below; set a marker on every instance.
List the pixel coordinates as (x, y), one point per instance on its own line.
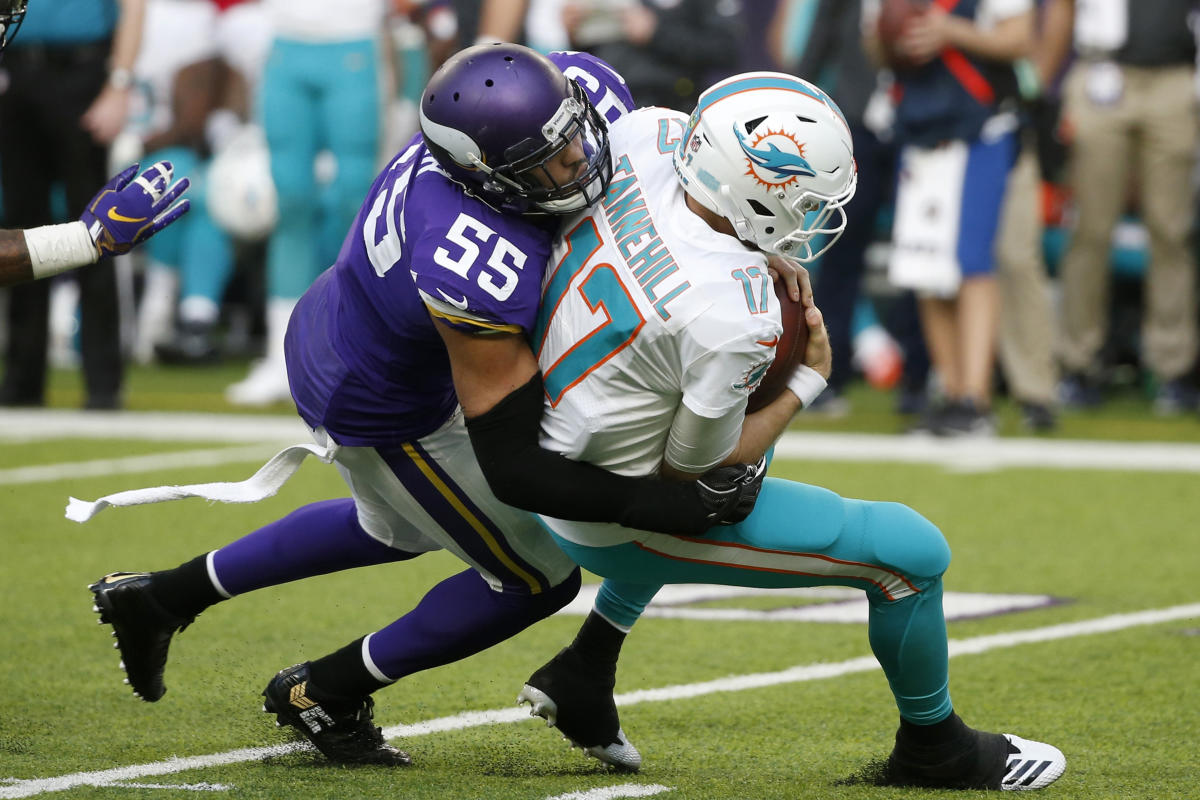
(1130, 107)
(320, 90)
(1027, 324)
(667, 50)
(439, 24)
(239, 193)
(821, 42)
(176, 83)
(67, 82)
(534, 23)
(421, 35)
(958, 143)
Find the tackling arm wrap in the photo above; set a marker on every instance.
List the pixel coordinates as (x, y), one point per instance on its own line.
(523, 474)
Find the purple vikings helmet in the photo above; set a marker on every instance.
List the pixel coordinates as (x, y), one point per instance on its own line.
(11, 14)
(494, 115)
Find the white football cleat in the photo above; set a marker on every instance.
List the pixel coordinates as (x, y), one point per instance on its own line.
(265, 385)
(1031, 765)
(621, 755)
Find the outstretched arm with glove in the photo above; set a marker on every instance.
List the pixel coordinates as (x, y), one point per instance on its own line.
(127, 211)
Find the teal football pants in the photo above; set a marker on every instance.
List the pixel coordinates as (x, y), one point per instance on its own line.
(803, 536)
(316, 96)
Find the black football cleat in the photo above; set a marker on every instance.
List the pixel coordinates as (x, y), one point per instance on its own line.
(344, 731)
(142, 627)
(577, 698)
(996, 761)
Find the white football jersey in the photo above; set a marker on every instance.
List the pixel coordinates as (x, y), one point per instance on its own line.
(322, 21)
(645, 307)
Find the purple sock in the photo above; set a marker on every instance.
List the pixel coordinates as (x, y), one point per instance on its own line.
(461, 616)
(313, 540)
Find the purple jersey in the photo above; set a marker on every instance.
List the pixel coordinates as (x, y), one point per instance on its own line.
(604, 86)
(363, 356)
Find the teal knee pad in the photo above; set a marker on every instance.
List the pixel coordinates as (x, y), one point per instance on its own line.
(907, 541)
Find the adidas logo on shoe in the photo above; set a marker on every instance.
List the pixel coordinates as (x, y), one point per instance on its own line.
(1031, 765)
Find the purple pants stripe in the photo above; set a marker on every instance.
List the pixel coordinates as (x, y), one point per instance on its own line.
(462, 519)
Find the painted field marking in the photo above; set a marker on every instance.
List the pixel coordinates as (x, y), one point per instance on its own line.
(972, 455)
(824, 604)
(471, 719)
(952, 454)
(190, 787)
(38, 424)
(613, 792)
(151, 462)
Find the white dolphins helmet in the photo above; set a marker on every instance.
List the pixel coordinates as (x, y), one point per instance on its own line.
(772, 154)
(240, 192)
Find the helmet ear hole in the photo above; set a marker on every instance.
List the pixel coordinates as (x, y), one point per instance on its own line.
(759, 208)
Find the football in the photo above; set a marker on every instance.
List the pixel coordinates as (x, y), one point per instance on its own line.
(894, 17)
(789, 351)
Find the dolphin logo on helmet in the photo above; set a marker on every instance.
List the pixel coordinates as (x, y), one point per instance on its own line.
(785, 166)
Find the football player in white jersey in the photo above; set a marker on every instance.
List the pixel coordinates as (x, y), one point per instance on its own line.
(658, 319)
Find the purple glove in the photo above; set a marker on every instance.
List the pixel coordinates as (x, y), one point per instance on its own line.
(130, 210)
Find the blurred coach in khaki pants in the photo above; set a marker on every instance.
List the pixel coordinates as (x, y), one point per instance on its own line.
(1130, 101)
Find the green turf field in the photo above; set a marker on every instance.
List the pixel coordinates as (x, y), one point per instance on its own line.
(1115, 691)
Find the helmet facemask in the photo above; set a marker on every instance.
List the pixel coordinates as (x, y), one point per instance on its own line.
(12, 12)
(527, 171)
(503, 121)
(822, 220)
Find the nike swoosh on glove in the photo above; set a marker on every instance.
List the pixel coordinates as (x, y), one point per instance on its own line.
(129, 210)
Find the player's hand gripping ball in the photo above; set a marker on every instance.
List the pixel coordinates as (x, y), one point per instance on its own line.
(789, 351)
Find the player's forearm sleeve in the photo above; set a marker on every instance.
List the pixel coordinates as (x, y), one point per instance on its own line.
(697, 443)
(523, 474)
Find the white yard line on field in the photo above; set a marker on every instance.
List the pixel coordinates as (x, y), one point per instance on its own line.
(614, 792)
(152, 462)
(35, 424)
(974, 455)
(958, 455)
(809, 672)
(176, 787)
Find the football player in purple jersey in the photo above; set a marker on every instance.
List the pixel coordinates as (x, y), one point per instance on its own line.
(410, 361)
(126, 212)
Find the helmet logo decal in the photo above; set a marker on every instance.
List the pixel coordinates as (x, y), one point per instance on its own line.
(774, 159)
